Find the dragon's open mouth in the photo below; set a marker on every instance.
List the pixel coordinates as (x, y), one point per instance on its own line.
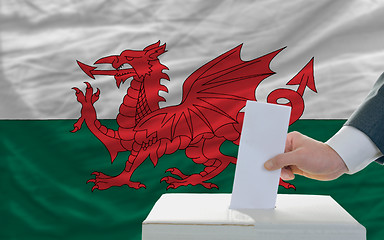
(121, 74)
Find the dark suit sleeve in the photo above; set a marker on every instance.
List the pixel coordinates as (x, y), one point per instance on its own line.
(369, 117)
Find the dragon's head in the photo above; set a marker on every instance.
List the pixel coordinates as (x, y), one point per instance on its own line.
(130, 63)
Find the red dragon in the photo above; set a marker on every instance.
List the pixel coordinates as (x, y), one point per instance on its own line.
(209, 113)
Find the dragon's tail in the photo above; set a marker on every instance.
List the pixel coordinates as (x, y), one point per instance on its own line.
(303, 79)
(295, 101)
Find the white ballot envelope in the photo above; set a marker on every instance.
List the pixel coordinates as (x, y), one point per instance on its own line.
(263, 136)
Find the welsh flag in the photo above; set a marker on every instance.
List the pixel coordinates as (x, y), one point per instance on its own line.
(107, 105)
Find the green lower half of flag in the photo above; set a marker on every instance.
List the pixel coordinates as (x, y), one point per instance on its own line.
(45, 167)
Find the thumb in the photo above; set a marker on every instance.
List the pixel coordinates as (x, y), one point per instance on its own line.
(280, 161)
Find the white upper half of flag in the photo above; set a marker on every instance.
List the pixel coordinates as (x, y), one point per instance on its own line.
(40, 42)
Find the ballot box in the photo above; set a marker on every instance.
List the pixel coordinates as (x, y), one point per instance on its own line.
(207, 216)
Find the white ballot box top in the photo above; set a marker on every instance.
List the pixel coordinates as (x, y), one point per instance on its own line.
(207, 216)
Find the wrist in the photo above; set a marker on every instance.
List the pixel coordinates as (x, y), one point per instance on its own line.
(339, 166)
(354, 148)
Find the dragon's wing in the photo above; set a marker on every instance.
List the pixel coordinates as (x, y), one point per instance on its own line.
(212, 97)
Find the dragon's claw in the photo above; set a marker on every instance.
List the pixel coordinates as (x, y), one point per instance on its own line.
(75, 129)
(88, 85)
(79, 95)
(210, 185)
(89, 96)
(171, 186)
(96, 173)
(94, 187)
(176, 172)
(103, 181)
(95, 96)
(76, 90)
(97, 93)
(164, 179)
(91, 180)
(168, 179)
(185, 180)
(286, 185)
(87, 100)
(77, 125)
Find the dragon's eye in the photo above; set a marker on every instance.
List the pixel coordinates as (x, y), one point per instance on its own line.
(129, 58)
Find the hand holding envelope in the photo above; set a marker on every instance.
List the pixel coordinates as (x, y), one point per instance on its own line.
(252, 213)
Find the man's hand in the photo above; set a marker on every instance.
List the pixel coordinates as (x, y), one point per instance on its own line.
(307, 157)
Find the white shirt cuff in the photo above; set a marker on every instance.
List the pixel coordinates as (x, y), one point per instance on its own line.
(354, 147)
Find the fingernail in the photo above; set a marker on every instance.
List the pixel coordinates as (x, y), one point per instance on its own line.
(268, 165)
